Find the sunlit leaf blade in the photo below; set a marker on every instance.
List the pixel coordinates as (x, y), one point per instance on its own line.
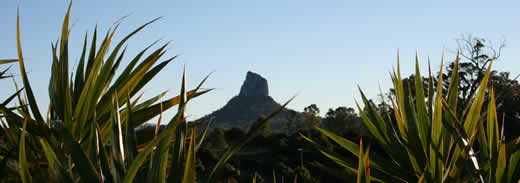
(363, 172)
(492, 132)
(28, 89)
(345, 143)
(177, 170)
(501, 164)
(453, 88)
(371, 126)
(189, 170)
(399, 108)
(348, 164)
(133, 78)
(422, 113)
(377, 121)
(436, 132)
(6, 61)
(116, 144)
(431, 91)
(64, 70)
(151, 74)
(141, 157)
(407, 121)
(149, 102)
(392, 147)
(274, 176)
(474, 112)
(93, 88)
(452, 103)
(375, 160)
(143, 115)
(22, 157)
(106, 171)
(124, 76)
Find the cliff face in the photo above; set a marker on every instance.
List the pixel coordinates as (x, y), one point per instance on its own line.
(254, 86)
(252, 102)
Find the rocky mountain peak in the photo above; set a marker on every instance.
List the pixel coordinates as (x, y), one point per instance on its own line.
(253, 102)
(254, 86)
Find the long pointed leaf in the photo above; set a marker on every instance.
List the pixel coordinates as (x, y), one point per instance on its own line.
(28, 89)
(189, 170)
(6, 61)
(22, 157)
(130, 138)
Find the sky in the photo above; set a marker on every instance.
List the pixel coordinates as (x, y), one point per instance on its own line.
(320, 51)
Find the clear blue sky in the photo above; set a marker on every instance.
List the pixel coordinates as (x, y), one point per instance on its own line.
(320, 50)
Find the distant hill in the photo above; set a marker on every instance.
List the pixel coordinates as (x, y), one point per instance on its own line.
(252, 102)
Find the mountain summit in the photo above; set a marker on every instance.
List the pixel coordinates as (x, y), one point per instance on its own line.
(254, 86)
(252, 102)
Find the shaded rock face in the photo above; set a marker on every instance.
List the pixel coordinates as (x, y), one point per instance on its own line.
(252, 102)
(254, 86)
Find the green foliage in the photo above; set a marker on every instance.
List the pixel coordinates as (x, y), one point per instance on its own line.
(312, 113)
(89, 132)
(278, 151)
(363, 171)
(344, 121)
(254, 131)
(428, 141)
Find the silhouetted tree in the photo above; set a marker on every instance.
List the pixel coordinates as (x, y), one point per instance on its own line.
(507, 95)
(312, 113)
(475, 55)
(343, 120)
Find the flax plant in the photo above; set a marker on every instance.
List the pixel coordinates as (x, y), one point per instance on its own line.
(89, 132)
(427, 140)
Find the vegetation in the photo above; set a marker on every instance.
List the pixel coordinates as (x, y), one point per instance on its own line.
(428, 141)
(447, 128)
(312, 113)
(88, 134)
(475, 57)
(345, 121)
